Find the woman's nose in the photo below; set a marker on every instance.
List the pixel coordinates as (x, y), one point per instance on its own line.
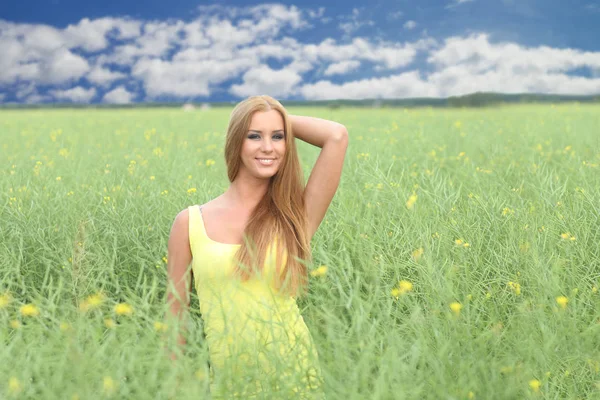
(267, 145)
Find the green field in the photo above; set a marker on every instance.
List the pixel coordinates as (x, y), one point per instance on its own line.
(491, 216)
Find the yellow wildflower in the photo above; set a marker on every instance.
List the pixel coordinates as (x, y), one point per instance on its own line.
(320, 271)
(109, 385)
(405, 286)
(535, 385)
(562, 301)
(92, 302)
(412, 199)
(516, 287)
(506, 211)
(460, 242)
(123, 309)
(160, 326)
(109, 323)
(29, 310)
(5, 299)
(14, 386)
(455, 307)
(567, 236)
(416, 254)
(210, 162)
(158, 152)
(15, 324)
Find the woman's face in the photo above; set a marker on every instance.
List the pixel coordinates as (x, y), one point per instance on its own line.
(264, 144)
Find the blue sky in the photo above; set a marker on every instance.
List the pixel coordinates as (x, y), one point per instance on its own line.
(128, 52)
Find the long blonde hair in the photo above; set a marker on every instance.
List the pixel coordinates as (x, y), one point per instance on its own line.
(280, 217)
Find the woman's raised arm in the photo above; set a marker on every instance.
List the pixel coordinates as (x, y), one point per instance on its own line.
(325, 176)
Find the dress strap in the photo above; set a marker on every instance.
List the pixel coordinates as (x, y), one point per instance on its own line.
(201, 226)
(194, 227)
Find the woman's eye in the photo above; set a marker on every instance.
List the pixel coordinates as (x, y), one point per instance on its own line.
(256, 137)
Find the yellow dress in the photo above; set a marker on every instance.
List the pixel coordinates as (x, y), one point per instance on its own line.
(259, 346)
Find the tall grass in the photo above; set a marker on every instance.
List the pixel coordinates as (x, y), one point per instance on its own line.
(490, 217)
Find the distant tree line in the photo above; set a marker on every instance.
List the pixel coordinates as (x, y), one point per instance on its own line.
(478, 99)
(483, 99)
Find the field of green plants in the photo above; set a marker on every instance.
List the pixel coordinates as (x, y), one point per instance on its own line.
(459, 259)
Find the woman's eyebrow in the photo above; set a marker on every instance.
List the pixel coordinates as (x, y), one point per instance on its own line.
(256, 130)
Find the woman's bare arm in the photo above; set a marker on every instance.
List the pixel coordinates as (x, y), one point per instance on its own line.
(179, 275)
(332, 138)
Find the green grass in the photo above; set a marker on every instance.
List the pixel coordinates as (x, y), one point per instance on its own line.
(519, 184)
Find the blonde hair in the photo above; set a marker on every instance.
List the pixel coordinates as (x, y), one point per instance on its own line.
(280, 217)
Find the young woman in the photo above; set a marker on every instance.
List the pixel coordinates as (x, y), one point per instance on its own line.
(249, 249)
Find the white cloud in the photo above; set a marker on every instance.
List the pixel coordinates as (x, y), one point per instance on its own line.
(341, 67)
(353, 23)
(408, 25)
(394, 15)
(119, 95)
(77, 94)
(194, 35)
(316, 14)
(157, 38)
(272, 17)
(464, 65)
(456, 3)
(407, 84)
(63, 66)
(37, 53)
(389, 55)
(279, 83)
(477, 54)
(186, 78)
(37, 98)
(103, 76)
(91, 35)
(467, 64)
(180, 59)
